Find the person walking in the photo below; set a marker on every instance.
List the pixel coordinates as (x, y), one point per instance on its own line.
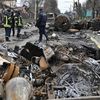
(7, 24)
(13, 23)
(18, 23)
(41, 24)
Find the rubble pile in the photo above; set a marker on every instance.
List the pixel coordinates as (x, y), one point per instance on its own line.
(77, 73)
(78, 81)
(79, 24)
(95, 23)
(31, 66)
(71, 53)
(25, 35)
(51, 70)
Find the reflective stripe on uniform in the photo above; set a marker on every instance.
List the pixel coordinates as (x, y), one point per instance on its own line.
(19, 22)
(6, 24)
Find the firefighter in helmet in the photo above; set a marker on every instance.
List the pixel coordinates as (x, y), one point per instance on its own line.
(18, 23)
(7, 22)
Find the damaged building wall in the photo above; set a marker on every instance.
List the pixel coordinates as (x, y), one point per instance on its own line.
(10, 3)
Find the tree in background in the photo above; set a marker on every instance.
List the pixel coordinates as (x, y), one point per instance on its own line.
(78, 9)
(51, 6)
(93, 5)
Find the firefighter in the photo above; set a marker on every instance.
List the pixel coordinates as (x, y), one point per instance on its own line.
(18, 23)
(7, 22)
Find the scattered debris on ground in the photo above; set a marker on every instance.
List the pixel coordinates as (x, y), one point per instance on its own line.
(66, 66)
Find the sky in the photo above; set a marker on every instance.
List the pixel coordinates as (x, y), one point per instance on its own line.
(20, 4)
(64, 5)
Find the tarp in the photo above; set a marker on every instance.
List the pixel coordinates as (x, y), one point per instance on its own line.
(89, 13)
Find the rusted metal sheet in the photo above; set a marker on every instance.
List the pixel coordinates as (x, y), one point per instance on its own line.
(11, 72)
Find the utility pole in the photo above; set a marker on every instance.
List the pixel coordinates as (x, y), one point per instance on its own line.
(78, 2)
(78, 9)
(70, 9)
(74, 8)
(36, 8)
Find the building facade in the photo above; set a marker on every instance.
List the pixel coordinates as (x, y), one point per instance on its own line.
(10, 3)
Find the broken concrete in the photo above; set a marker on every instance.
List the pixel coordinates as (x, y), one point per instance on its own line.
(71, 56)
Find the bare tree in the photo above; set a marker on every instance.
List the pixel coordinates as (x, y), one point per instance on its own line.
(51, 6)
(94, 5)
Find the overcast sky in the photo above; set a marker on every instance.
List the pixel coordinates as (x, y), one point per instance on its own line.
(64, 5)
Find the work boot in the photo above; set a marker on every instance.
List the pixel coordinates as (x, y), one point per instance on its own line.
(18, 35)
(7, 39)
(47, 39)
(13, 35)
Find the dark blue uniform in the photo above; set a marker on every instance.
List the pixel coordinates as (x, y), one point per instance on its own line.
(42, 24)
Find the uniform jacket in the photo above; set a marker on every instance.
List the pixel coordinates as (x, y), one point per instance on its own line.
(42, 18)
(7, 22)
(18, 21)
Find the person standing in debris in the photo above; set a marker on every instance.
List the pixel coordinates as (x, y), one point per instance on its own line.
(41, 24)
(13, 23)
(7, 24)
(18, 23)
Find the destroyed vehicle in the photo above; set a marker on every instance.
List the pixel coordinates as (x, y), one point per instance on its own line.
(50, 20)
(62, 23)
